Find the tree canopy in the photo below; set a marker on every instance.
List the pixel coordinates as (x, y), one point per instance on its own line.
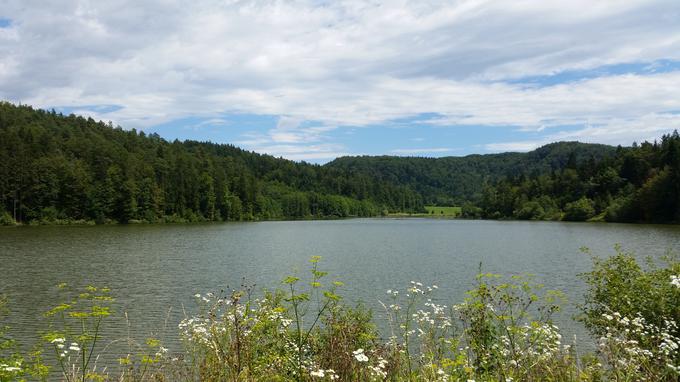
(56, 167)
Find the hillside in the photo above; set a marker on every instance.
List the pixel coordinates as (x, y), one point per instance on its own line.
(57, 168)
(454, 180)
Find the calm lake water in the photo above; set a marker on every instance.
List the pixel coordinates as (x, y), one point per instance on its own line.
(154, 270)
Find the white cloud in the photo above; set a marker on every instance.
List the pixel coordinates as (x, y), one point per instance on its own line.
(615, 132)
(346, 63)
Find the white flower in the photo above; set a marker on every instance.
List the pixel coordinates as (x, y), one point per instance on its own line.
(59, 340)
(319, 373)
(360, 356)
(675, 280)
(74, 347)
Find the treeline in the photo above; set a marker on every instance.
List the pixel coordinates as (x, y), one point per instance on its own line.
(56, 168)
(62, 168)
(636, 184)
(452, 181)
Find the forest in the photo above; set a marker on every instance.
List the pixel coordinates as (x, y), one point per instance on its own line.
(637, 184)
(58, 168)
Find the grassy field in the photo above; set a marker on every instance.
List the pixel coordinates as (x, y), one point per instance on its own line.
(443, 211)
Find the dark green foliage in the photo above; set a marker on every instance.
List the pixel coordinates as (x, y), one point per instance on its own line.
(56, 168)
(635, 184)
(454, 180)
(65, 168)
(579, 210)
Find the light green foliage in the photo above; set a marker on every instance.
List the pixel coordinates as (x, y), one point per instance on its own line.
(15, 366)
(443, 211)
(11, 362)
(634, 310)
(75, 326)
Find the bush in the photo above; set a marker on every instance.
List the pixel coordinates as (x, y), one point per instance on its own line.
(580, 210)
(531, 210)
(635, 311)
(6, 219)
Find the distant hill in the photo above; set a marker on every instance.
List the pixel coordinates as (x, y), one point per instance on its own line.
(453, 180)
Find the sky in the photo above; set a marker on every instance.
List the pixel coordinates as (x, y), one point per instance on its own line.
(314, 80)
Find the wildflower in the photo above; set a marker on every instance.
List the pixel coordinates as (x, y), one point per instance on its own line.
(59, 340)
(74, 347)
(675, 280)
(360, 356)
(318, 373)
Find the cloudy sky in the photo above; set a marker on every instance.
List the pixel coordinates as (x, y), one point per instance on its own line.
(312, 80)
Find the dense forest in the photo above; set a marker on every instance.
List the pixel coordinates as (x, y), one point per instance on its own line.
(560, 181)
(57, 168)
(637, 184)
(455, 180)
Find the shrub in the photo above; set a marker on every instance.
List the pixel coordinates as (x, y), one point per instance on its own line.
(531, 210)
(635, 311)
(580, 210)
(6, 219)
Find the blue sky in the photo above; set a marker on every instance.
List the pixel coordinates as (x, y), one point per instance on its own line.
(310, 80)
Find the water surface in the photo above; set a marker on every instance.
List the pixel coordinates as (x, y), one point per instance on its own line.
(154, 270)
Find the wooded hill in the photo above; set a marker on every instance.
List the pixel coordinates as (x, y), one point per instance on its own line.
(57, 168)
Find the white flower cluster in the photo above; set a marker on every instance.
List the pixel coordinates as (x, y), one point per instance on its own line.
(629, 343)
(13, 368)
(360, 356)
(675, 281)
(418, 288)
(62, 350)
(378, 370)
(321, 373)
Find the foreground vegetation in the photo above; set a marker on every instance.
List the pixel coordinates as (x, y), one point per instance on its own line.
(305, 332)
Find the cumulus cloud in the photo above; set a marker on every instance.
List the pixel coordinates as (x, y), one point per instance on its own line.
(321, 66)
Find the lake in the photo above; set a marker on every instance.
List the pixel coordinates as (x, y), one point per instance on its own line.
(154, 270)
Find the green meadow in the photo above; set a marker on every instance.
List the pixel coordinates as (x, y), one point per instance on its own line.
(443, 211)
